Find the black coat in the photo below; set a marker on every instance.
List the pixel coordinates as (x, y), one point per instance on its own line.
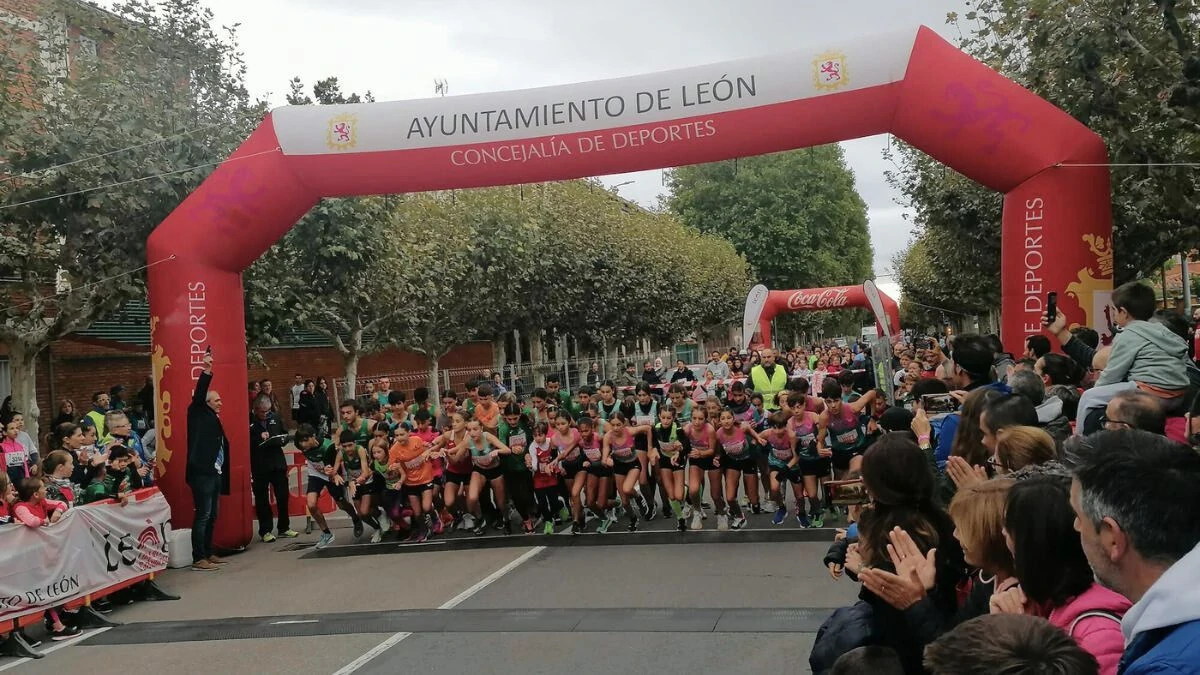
(308, 413)
(267, 456)
(206, 437)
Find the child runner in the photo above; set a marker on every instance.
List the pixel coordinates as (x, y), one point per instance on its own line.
(545, 477)
(486, 451)
(486, 411)
(412, 458)
(357, 468)
(599, 475)
(322, 468)
(645, 414)
(607, 403)
(392, 501)
(703, 462)
(783, 462)
(841, 430)
(738, 464)
(453, 444)
(681, 405)
(619, 453)
(516, 432)
(669, 454)
(812, 465)
(569, 459)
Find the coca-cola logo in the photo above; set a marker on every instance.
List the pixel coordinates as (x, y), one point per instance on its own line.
(828, 298)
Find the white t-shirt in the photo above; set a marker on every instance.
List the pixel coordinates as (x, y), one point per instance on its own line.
(297, 389)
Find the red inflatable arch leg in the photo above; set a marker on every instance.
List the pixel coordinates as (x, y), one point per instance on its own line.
(911, 83)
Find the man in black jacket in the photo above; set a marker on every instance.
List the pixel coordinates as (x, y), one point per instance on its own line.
(268, 471)
(207, 466)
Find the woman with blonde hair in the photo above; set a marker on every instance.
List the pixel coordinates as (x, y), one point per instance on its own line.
(1019, 447)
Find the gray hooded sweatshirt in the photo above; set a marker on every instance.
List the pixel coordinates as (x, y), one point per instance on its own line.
(1148, 353)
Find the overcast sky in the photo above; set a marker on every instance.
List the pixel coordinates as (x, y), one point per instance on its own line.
(398, 49)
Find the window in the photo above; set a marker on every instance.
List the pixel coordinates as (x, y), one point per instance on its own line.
(5, 380)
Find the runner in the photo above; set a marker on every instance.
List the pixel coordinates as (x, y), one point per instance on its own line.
(453, 444)
(415, 462)
(738, 464)
(681, 405)
(702, 463)
(669, 453)
(569, 460)
(322, 468)
(599, 476)
(539, 412)
(745, 412)
(359, 477)
(841, 430)
(783, 463)
(619, 453)
(486, 451)
(545, 478)
(486, 411)
(607, 403)
(449, 406)
(516, 432)
(813, 464)
(645, 414)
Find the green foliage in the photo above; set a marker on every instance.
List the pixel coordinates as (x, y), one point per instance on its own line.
(1131, 72)
(795, 216)
(165, 94)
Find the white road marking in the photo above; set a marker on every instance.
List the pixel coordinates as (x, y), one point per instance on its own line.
(449, 604)
(293, 622)
(91, 632)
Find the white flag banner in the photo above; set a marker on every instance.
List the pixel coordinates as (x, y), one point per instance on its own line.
(92, 548)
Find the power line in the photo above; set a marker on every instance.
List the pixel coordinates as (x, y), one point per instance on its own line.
(35, 172)
(136, 180)
(97, 282)
(1129, 164)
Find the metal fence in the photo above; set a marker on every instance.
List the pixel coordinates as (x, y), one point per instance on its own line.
(523, 376)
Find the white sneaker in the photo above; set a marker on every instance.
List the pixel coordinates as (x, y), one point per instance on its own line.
(468, 521)
(723, 522)
(738, 523)
(769, 507)
(697, 521)
(377, 537)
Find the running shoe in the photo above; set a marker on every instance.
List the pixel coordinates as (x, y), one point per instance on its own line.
(438, 528)
(358, 529)
(458, 524)
(308, 525)
(666, 511)
(681, 525)
(633, 522)
(468, 521)
(527, 527)
(705, 505)
(743, 501)
(649, 513)
(723, 522)
(818, 519)
(738, 522)
(604, 525)
(289, 534)
(267, 538)
(64, 633)
(506, 526)
(564, 514)
(777, 519)
(479, 529)
(589, 515)
(325, 540)
(377, 537)
(756, 509)
(548, 528)
(687, 511)
(421, 538)
(577, 527)
(697, 521)
(802, 518)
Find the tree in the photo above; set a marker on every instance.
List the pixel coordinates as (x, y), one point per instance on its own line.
(98, 151)
(1129, 71)
(795, 216)
(335, 271)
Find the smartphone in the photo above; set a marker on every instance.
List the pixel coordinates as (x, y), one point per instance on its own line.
(938, 404)
(1052, 306)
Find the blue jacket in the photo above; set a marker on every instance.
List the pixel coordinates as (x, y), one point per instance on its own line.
(1162, 631)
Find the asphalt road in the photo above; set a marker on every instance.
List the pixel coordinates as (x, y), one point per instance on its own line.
(666, 608)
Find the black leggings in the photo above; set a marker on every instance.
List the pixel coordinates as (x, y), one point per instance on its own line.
(519, 486)
(548, 502)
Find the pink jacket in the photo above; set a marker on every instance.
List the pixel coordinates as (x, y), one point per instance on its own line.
(1099, 636)
(37, 515)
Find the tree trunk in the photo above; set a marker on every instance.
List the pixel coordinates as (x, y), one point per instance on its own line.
(535, 358)
(499, 353)
(23, 360)
(435, 386)
(351, 362)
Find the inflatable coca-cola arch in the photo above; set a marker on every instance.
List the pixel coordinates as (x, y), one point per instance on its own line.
(911, 83)
(762, 306)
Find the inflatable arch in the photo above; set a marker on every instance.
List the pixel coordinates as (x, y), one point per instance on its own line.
(762, 306)
(912, 84)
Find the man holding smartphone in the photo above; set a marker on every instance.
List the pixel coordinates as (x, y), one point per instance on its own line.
(207, 466)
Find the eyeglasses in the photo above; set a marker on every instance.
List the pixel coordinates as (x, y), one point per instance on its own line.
(1105, 421)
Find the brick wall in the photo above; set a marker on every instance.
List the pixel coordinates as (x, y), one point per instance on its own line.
(75, 368)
